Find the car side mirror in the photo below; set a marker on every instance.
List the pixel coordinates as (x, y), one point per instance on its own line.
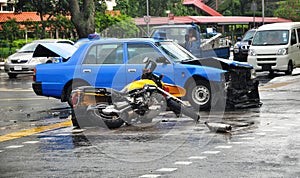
(249, 42)
(162, 60)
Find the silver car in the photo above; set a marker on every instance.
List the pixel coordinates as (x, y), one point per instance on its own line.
(22, 62)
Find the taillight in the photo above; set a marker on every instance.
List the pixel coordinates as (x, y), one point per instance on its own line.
(75, 98)
(34, 75)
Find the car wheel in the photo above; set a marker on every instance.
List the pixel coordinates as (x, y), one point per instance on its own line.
(289, 70)
(12, 75)
(199, 94)
(70, 88)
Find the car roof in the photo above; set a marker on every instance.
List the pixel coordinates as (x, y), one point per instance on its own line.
(53, 41)
(279, 26)
(122, 40)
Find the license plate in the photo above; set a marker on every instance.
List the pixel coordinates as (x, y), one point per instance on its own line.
(17, 67)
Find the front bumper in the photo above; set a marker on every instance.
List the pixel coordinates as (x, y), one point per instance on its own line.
(19, 68)
(242, 91)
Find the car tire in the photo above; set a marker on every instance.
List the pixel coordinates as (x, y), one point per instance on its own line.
(73, 85)
(290, 68)
(199, 94)
(12, 75)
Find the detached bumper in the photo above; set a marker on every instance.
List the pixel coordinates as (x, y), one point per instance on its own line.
(244, 98)
(37, 88)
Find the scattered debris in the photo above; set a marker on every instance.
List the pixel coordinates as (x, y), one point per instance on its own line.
(218, 127)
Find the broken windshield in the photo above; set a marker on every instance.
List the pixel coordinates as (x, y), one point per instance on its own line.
(176, 52)
(271, 37)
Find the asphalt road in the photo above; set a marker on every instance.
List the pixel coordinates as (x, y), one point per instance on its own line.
(37, 140)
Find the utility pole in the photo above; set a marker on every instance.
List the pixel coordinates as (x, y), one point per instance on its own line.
(263, 11)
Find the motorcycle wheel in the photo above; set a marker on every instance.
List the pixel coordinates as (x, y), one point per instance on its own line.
(155, 100)
(111, 122)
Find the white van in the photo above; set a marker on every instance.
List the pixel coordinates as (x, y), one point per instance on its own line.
(276, 47)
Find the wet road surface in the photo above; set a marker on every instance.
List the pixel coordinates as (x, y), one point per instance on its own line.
(264, 142)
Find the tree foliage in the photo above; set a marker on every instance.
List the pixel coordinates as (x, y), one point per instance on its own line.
(289, 9)
(83, 16)
(120, 26)
(11, 30)
(137, 8)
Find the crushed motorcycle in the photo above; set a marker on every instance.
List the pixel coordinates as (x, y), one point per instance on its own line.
(138, 102)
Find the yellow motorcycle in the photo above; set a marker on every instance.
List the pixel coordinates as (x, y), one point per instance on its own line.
(138, 102)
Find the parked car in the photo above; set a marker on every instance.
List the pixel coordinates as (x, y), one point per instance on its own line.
(23, 62)
(113, 63)
(276, 47)
(241, 47)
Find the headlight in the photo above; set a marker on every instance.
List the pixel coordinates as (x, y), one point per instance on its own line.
(282, 51)
(252, 52)
(236, 48)
(35, 61)
(253, 74)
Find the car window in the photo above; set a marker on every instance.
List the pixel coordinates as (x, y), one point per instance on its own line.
(105, 54)
(293, 37)
(137, 52)
(298, 31)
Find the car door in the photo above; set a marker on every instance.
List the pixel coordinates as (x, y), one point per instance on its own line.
(298, 50)
(136, 52)
(294, 49)
(103, 66)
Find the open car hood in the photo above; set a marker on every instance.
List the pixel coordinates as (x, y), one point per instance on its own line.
(63, 50)
(219, 63)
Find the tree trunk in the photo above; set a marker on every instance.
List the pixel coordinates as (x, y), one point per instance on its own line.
(83, 17)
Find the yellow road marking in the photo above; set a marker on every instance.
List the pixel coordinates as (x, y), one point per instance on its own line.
(276, 85)
(27, 132)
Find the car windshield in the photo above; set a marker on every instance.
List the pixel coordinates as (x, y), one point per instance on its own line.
(176, 52)
(30, 47)
(271, 37)
(249, 35)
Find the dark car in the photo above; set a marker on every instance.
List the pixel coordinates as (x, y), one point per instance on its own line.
(241, 47)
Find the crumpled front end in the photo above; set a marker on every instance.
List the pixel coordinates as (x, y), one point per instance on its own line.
(241, 88)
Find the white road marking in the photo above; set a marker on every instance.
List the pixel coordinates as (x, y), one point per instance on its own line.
(64, 134)
(166, 169)
(261, 133)
(278, 127)
(237, 143)
(269, 130)
(31, 142)
(150, 176)
(1, 151)
(211, 152)
(183, 162)
(223, 146)
(14, 146)
(197, 157)
(248, 138)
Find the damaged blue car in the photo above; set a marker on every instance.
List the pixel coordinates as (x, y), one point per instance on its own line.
(209, 82)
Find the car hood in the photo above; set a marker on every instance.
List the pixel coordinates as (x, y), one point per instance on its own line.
(219, 63)
(20, 56)
(63, 50)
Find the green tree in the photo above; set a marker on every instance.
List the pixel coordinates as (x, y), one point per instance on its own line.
(43, 7)
(289, 9)
(83, 16)
(11, 31)
(120, 26)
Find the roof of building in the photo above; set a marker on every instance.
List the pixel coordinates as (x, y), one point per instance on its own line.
(202, 6)
(20, 17)
(209, 19)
